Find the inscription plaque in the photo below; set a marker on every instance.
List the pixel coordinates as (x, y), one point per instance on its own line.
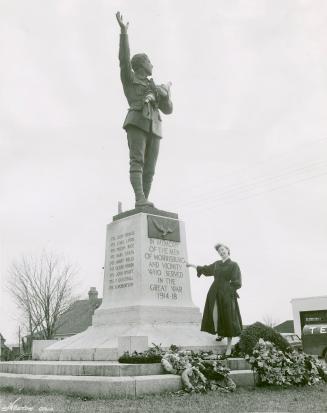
(165, 268)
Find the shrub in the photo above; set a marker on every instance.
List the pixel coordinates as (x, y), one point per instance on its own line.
(24, 356)
(251, 335)
(274, 367)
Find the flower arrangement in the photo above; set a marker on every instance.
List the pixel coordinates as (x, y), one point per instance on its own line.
(152, 355)
(199, 372)
(276, 367)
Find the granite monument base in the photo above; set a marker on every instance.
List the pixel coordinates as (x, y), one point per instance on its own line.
(146, 292)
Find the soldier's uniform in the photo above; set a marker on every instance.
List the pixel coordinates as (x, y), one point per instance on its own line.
(143, 121)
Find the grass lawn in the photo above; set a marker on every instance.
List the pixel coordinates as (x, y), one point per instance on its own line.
(295, 399)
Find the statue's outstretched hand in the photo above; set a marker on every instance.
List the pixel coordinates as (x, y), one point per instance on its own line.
(123, 27)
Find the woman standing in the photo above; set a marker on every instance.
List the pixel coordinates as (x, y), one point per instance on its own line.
(221, 313)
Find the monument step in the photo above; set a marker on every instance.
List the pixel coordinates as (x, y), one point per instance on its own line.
(237, 364)
(80, 368)
(94, 386)
(100, 386)
(96, 368)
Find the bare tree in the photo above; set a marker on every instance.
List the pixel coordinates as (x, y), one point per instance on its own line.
(269, 321)
(42, 288)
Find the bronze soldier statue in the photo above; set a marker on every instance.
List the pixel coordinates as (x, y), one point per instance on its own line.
(143, 121)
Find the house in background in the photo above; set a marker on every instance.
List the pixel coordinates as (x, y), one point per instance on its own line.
(285, 327)
(79, 317)
(4, 350)
(14, 349)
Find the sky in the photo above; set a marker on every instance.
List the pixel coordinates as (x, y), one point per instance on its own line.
(243, 159)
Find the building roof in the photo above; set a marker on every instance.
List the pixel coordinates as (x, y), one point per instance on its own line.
(309, 298)
(79, 317)
(285, 327)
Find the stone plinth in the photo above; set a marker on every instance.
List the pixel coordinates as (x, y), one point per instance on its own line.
(146, 292)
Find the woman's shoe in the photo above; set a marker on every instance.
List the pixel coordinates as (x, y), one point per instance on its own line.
(219, 338)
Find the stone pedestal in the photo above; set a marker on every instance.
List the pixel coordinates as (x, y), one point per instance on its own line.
(146, 291)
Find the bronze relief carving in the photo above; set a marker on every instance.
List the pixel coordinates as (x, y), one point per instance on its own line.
(163, 228)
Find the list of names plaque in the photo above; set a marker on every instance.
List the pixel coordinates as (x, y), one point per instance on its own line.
(121, 260)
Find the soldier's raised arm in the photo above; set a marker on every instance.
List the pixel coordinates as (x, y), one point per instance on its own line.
(124, 53)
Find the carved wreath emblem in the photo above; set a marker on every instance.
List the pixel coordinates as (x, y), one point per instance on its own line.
(163, 228)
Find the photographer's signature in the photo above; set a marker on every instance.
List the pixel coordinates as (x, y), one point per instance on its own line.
(15, 407)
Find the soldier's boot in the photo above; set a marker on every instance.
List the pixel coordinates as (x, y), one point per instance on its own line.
(146, 188)
(147, 181)
(136, 181)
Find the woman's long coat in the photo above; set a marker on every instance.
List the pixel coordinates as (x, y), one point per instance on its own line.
(227, 279)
